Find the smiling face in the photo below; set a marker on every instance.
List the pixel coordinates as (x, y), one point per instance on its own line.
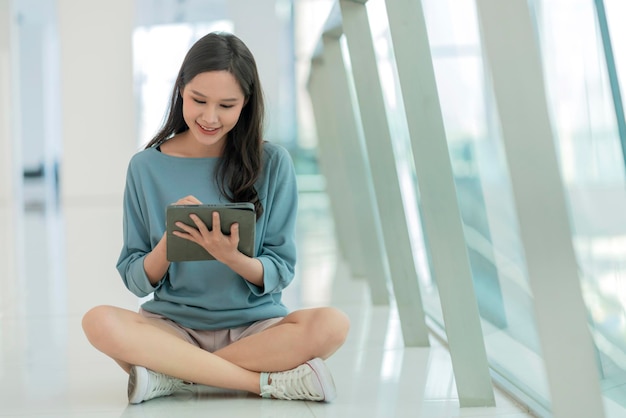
(212, 104)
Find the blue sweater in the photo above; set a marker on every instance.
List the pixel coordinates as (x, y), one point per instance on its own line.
(208, 295)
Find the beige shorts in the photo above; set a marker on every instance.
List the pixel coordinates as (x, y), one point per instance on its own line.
(213, 340)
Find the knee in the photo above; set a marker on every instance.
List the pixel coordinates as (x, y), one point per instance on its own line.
(98, 324)
(332, 325)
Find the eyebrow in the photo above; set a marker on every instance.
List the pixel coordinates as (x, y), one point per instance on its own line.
(231, 99)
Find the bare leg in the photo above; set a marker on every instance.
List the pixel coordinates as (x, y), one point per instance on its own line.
(129, 338)
(299, 337)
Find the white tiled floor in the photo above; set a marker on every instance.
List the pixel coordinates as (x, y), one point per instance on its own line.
(48, 369)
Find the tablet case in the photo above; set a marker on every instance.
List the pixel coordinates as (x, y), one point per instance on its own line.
(180, 249)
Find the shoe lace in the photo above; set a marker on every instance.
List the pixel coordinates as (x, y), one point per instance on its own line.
(293, 384)
(163, 385)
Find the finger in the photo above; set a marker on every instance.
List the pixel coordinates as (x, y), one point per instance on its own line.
(190, 230)
(234, 232)
(193, 200)
(202, 228)
(183, 235)
(216, 222)
(188, 200)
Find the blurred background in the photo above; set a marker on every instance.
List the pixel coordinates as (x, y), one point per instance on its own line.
(85, 85)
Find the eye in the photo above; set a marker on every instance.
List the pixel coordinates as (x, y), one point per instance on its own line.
(227, 106)
(199, 101)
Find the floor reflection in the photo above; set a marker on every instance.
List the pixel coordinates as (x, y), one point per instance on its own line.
(48, 369)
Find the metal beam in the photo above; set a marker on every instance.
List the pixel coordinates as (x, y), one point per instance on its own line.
(611, 69)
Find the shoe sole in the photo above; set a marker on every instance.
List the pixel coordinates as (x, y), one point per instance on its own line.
(137, 380)
(325, 378)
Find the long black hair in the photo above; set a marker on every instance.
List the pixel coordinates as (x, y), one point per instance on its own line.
(240, 164)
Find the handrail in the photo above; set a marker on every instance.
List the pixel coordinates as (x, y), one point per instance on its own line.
(612, 73)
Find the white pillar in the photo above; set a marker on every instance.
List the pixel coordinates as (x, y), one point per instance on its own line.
(333, 166)
(343, 162)
(567, 348)
(440, 208)
(98, 131)
(382, 162)
(11, 204)
(98, 120)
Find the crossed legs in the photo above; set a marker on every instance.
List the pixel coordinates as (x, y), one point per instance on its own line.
(131, 339)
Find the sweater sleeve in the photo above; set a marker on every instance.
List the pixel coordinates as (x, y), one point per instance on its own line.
(136, 241)
(278, 249)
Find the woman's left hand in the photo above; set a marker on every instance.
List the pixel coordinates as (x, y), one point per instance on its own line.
(222, 247)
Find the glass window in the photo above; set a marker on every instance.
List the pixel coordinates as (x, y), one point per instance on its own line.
(592, 166)
(482, 183)
(587, 142)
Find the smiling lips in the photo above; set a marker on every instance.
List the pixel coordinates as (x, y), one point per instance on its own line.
(208, 131)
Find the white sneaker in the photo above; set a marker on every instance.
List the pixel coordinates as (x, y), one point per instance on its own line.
(310, 381)
(144, 384)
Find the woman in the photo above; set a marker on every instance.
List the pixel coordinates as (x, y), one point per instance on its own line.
(221, 322)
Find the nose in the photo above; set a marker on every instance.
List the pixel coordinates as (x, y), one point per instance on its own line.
(209, 115)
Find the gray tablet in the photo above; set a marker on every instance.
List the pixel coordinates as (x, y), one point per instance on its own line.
(180, 249)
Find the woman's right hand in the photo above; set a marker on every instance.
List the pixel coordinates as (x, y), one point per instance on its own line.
(155, 263)
(188, 200)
